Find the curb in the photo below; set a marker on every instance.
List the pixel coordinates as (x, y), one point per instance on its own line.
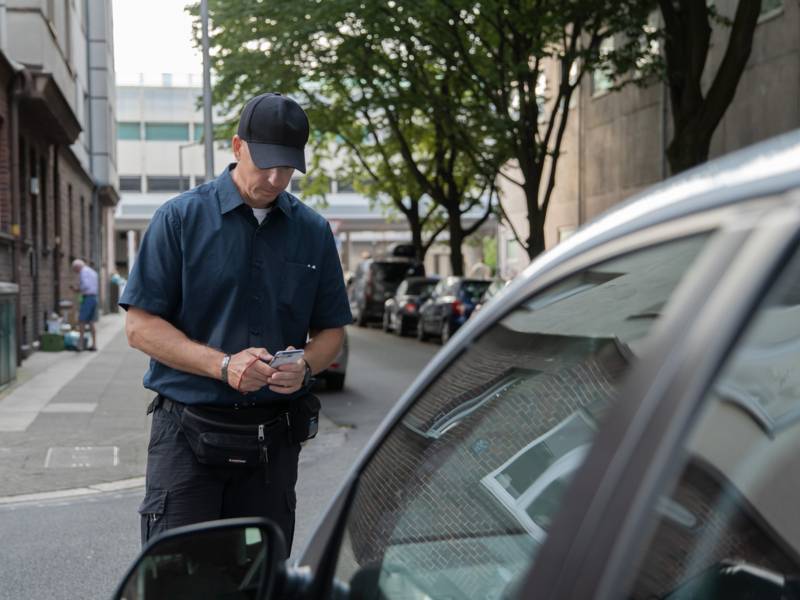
(99, 488)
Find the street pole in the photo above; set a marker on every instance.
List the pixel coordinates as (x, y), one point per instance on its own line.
(208, 126)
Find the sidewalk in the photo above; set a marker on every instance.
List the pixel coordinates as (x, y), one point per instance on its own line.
(75, 423)
(74, 420)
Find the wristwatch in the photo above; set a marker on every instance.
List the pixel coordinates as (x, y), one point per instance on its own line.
(226, 360)
(307, 376)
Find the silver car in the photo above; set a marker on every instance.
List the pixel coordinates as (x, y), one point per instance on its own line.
(622, 422)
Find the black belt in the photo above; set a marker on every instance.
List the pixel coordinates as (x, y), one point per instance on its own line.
(265, 415)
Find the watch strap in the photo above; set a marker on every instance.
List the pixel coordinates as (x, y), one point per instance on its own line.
(226, 360)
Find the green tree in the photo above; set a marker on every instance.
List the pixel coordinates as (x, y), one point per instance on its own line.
(500, 49)
(361, 79)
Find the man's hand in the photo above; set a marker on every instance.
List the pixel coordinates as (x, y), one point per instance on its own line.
(248, 371)
(287, 379)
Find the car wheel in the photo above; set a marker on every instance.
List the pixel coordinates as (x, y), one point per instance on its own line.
(386, 326)
(421, 336)
(400, 328)
(334, 381)
(446, 332)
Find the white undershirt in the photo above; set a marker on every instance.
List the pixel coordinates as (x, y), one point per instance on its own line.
(260, 214)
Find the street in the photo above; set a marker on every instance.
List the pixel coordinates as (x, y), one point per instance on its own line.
(79, 547)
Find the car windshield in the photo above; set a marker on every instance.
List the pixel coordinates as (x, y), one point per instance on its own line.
(463, 491)
(473, 290)
(392, 272)
(420, 287)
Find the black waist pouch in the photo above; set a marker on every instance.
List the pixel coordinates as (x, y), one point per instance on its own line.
(219, 442)
(304, 417)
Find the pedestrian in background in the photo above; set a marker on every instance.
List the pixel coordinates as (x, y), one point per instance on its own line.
(87, 313)
(227, 274)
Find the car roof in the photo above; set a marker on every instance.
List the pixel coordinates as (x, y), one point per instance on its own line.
(764, 169)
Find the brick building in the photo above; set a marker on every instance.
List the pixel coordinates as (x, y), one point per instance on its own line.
(58, 181)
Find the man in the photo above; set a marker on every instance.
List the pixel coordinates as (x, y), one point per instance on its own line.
(87, 314)
(227, 274)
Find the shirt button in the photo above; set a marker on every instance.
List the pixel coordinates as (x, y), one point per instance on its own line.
(255, 332)
(256, 297)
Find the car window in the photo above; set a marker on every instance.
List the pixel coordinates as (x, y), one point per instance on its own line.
(420, 287)
(739, 487)
(473, 290)
(460, 495)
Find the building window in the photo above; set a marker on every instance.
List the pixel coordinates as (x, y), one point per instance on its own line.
(169, 183)
(771, 7)
(199, 179)
(198, 132)
(166, 131)
(602, 81)
(130, 183)
(345, 186)
(531, 484)
(128, 131)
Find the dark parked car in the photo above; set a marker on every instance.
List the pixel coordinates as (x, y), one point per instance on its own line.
(334, 375)
(450, 305)
(495, 288)
(374, 282)
(623, 421)
(401, 311)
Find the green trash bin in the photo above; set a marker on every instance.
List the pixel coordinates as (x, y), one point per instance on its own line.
(52, 342)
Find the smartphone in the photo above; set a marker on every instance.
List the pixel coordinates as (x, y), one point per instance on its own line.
(284, 357)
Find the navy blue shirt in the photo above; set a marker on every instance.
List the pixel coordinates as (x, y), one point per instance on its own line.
(207, 266)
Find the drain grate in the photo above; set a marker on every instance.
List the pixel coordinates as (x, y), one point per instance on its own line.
(59, 457)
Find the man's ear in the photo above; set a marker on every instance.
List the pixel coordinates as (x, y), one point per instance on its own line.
(236, 144)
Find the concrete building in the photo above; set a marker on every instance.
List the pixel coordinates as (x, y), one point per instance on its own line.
(615, 142)
(57, 156)
(161, 153)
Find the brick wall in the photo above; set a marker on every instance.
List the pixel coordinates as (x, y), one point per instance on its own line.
(55, 230)
(421, 504)
(418, 489)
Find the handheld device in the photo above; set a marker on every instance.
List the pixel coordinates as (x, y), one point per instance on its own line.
(284, 357)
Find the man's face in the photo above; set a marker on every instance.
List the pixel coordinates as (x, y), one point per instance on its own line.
(259, 186)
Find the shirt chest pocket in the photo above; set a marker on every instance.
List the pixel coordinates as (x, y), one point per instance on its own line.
(298, 288)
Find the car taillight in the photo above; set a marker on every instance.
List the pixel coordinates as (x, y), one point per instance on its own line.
(410, 307)
(459, 308)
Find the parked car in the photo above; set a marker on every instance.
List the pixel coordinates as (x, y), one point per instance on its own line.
(450, 305)
(334, 375)
(401, 311)
(495, 288)
(374, 282)
(622, 422)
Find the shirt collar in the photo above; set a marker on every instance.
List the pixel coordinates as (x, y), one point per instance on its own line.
(230, 198)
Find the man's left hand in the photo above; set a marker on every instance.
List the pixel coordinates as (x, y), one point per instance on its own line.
(288, 378)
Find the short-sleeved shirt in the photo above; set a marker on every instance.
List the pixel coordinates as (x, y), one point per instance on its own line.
(88, 281)
(207, 266)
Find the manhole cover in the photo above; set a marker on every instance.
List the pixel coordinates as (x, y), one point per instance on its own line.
(81, 456)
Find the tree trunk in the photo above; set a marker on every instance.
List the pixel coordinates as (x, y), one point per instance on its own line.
(689, 147)
(456, 239)
(416, 233)
(535, 245)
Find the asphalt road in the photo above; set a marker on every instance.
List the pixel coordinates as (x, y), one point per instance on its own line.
(80, 547)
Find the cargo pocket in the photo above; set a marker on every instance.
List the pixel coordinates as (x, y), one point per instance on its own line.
(153, 514)
(291, 504)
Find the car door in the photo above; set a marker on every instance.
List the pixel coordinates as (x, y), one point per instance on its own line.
(461, 493)
(698, 499)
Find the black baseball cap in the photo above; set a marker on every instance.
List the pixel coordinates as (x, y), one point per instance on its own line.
(276, 131)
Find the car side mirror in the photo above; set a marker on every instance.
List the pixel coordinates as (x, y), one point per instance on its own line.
(231, 558)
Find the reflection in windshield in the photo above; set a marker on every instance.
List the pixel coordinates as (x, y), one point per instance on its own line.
(461, 494)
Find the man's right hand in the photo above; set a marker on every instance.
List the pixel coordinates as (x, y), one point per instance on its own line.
(247, 371)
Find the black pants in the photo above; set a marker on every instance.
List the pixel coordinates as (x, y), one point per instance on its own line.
(180, 491)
